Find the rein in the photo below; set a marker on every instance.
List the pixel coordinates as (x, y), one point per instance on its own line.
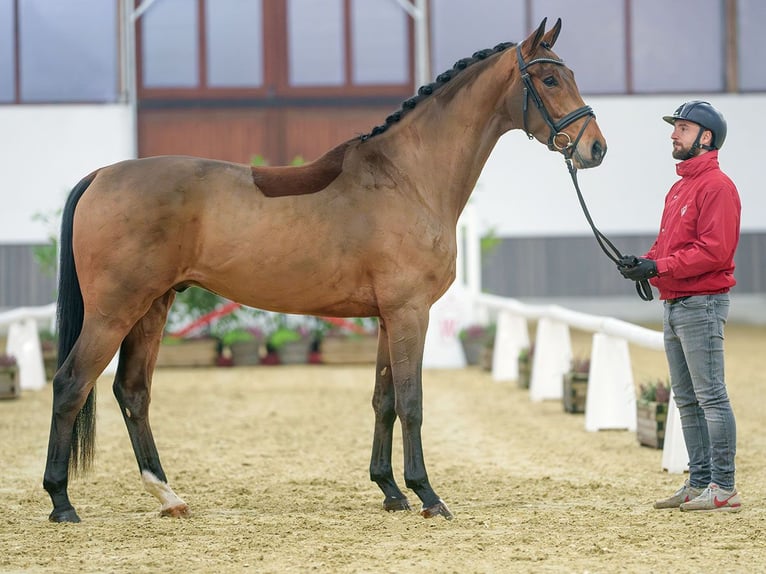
(643, 288)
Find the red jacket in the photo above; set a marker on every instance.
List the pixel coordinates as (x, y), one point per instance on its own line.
(699, 231)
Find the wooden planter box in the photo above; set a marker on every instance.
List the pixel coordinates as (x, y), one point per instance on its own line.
(294, 352)
(246, 353)
(50, 363)
(525, 372)
(9, 383)
(349, 350)
(485, 361)
(188, 353)
(651, 422)
(575, 392)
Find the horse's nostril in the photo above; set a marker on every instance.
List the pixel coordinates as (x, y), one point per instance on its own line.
(597, 151)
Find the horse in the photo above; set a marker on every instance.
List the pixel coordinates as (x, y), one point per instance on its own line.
(366, 230)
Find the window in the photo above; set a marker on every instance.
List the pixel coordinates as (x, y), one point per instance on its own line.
(682, 51)
(597, 56)
(380, 41)
(458, 29)
(67, 50)
(170, 46)
(7, 52)
(752, 50)
(316, 44)
(234, 43)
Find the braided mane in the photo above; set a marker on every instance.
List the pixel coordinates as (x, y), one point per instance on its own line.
(428, 89)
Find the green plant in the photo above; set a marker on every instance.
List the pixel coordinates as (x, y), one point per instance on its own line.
(47, 255)
(241, 335)
(526, 353)
(580, 365)
(7, 360)
(484, 334)
(657, 391)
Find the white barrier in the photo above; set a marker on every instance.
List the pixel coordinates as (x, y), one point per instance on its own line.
(611, 399)
(23, 342)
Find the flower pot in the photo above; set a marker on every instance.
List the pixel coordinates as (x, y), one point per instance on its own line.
(650, 423)
(575, 392)
(246, 353)
(472, 351)
(9, 383)
(294, 352)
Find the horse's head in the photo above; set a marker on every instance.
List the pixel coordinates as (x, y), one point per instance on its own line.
(552, 110)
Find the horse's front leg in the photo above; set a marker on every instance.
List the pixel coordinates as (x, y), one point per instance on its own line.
(406, 333)
(383, 403)
(132, 389)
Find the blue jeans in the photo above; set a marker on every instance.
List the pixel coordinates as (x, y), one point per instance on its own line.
(694, 348)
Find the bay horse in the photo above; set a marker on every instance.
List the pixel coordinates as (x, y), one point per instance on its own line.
(367, 230)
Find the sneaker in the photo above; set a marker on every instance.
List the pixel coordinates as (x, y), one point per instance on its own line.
(715, 498)
(683, 494)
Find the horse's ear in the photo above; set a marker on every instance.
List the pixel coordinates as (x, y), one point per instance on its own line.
(552, 34)
(531, 43)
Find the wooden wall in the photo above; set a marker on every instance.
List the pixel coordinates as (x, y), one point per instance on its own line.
(238, 134)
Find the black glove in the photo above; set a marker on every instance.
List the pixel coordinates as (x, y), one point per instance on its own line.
(637, 268)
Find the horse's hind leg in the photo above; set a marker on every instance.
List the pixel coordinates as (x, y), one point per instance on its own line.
(72, 434)
(383, 403)
(132, 388)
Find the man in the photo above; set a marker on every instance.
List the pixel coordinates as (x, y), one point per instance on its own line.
(692, 265)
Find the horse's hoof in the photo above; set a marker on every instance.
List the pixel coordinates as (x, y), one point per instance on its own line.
(437, 509)
(396, 504)
(178, 511)
(68, 515)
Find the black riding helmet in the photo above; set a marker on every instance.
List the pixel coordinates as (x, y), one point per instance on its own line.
(704, 115)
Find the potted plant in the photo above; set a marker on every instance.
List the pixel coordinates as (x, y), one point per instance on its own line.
(292, 340)
(576, 385)
(652, 413)
(244, 345)
(474, 339)
(9, 377)
(525, 366)
(199, 347)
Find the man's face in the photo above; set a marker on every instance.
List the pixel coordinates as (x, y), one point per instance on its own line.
(683, 136)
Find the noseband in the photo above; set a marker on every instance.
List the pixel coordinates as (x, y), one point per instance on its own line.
(556, 127)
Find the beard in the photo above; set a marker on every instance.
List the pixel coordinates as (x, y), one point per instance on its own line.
(682, 153)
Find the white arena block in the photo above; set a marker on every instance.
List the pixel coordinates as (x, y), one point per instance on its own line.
(611, 399)
(511, 336)
(553, 354)
(675, 459)
(24, 343)
(449, 315)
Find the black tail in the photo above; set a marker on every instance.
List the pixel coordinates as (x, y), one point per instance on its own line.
(69, 318)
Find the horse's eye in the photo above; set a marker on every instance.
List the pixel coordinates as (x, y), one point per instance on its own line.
(550, 81)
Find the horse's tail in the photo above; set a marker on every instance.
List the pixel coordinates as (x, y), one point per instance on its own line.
(69, 319)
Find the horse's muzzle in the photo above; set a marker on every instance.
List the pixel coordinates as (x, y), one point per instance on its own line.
(596, 156)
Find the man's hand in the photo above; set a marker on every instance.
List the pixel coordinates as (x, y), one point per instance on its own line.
(637, 268)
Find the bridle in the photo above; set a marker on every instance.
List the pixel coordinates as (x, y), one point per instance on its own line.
(555, 127)
(643, 288)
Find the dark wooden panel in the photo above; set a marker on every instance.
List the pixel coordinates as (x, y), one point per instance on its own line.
(233, 135)
(310, 132)
(237, 134)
